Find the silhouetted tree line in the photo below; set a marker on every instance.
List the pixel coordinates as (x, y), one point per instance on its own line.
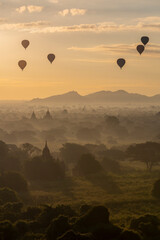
(88, 160)
(63, 223)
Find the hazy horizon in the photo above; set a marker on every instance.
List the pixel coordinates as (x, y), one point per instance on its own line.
(81, 94)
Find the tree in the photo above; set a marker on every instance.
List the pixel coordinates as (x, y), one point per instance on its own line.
(7, 195)
(95, 217)
(147, 225)
(111, 165)
(30, 150)
(87, 165)
(3, 155)
(129, 235)
(50, 170)
(156, 189)
(148, 152)
(88, 134)
(14, 181)
(71, 152)
(7, 231)
(58, 227)
(112, 121)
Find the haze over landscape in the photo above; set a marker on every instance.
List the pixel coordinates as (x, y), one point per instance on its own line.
(79, 120)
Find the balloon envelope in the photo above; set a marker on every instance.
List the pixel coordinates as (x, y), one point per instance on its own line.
(144, 40)
(51, 57)
(121, 62)
(22, 64)
(140, 49)
(25, 43)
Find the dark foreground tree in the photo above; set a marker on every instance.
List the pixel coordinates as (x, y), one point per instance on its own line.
(7, 195)
(58, 227)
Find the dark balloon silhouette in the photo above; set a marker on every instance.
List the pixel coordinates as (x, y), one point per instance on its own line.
(140, 49)
(51, 57)
(121, 62)
(144, 40)
(22, 64)
(25, 43)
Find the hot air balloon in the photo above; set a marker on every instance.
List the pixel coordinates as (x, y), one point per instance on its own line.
(22, 64)
(121, 62)
(25, 43)
(140, 49)
(51, 57)
(144, 40)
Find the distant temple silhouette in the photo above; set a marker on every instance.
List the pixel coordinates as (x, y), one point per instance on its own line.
(47, 116)
(33, 116)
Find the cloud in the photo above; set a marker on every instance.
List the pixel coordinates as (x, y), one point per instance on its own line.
(103, 27)
(75, 11)
(149, 19)
(89, 60)
(21, 9)
(53, 1)
(115, 49)
(72, 12)
(23, 26)
(2, 20)
(33, 8)
(141, 25)
(64, 13)
(30, 9)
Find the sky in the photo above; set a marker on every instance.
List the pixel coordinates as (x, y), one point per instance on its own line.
(87, 38)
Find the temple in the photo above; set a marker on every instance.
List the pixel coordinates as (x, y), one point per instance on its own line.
(33, 116)
(46, 153)
(47, 116)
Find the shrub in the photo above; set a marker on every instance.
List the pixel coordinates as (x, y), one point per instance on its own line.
(129, 235)
(148, 225)
(111, 165)
(135, 223)
(70, 235)
(32, 213)
(71, 152)
(58, 227)
(84, 209)
(87, 165)
(14, 207)
(50, 170)
(156, 189)
(14, 181)
(21, 227)
(7, 231)
(33, 236)
(49, 213)
(96, 216)
(64, 210)
(7, 195)
(108, 231)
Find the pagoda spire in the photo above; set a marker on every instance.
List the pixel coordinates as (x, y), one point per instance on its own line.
(46, 152)
(33, 116)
